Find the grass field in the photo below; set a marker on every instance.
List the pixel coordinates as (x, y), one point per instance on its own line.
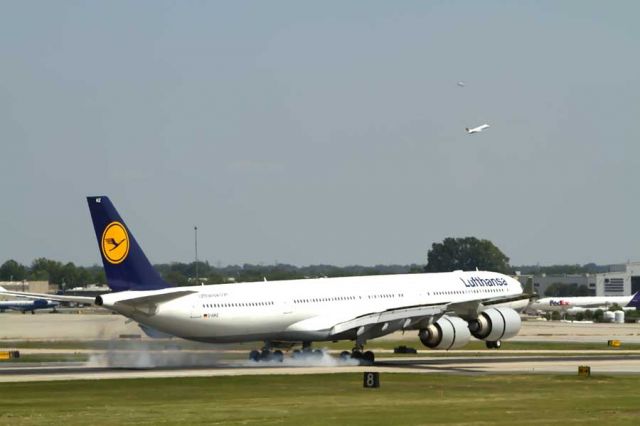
(48, 358)
(332, 399)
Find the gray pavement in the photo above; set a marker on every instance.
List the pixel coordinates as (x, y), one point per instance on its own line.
(612, 364)
(105, 326)
(213, 360)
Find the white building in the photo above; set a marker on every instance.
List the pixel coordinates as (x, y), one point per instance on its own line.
(620, 280)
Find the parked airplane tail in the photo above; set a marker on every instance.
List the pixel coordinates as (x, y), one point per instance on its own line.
(125, 264)
(635, 301)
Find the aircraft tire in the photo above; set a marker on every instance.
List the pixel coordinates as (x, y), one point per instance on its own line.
(368, 357)
(265, 355)
(493, 345)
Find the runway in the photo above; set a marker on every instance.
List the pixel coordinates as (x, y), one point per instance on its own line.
(146, 358)
(523, 364)
(96, 324)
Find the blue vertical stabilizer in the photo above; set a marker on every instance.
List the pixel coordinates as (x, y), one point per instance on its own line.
(126, 266)
(635, 301)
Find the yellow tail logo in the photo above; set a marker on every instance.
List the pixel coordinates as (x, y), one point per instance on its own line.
(115, 243)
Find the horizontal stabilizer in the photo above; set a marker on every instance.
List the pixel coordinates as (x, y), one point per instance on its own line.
(145, 299)
(59, 298)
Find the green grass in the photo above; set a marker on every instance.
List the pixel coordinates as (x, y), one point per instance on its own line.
(333, 399)
(44, 357)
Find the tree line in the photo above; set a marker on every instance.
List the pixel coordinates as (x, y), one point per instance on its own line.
(181, 274)
(42, 269)
(451, 254)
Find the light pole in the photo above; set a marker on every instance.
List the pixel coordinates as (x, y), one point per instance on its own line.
(195, 230)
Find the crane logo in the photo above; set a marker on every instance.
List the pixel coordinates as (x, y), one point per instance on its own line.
(115, 243)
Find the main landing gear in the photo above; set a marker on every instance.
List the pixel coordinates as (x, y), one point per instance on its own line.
(365, 358)
(311, 355)
(266, 355)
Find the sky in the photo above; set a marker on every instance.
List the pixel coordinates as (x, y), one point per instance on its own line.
(321, 132)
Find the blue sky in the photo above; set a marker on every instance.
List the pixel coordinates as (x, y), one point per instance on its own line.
(327, 132)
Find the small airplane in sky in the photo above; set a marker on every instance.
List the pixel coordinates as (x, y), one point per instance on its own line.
(461, 83)
(477, 129)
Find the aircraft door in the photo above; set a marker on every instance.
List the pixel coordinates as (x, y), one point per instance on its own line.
(196, 309)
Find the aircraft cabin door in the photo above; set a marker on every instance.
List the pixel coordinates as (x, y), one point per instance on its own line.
(196, 310)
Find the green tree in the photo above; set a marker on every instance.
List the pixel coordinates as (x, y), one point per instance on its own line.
(12, 270)
(615, 307)
(51, 270)
(466, 254)
(598, 315)
(176, 278)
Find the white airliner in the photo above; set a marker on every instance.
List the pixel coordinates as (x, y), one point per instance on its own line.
(477, 129)
(445, 309)
(26, 305)
(579, 304)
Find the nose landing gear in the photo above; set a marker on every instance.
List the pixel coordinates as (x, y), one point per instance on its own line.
(493, 345)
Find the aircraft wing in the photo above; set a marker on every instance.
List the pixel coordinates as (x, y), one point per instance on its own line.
(58, 298)
(404, 316)
(407, 317)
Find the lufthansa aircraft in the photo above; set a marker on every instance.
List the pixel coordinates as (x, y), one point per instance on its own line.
(445, 309)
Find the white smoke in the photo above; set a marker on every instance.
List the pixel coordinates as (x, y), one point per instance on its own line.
(147, 355)
(143, 355)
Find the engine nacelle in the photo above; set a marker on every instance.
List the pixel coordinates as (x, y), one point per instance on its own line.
(447, 333)
(495, 324)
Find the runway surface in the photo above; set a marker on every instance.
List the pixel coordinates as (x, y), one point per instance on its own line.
(619, 363)
(202, 360)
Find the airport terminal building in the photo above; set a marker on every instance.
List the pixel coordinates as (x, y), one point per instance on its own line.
(619, 280)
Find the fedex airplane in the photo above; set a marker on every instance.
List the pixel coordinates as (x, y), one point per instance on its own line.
(445, 309)
(26, 305)
(580, 304)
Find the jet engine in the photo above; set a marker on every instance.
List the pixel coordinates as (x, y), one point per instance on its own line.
(446, 333)
(495, 324)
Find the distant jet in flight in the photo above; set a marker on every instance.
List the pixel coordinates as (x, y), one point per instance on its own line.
(477, 129)
(461, 83)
